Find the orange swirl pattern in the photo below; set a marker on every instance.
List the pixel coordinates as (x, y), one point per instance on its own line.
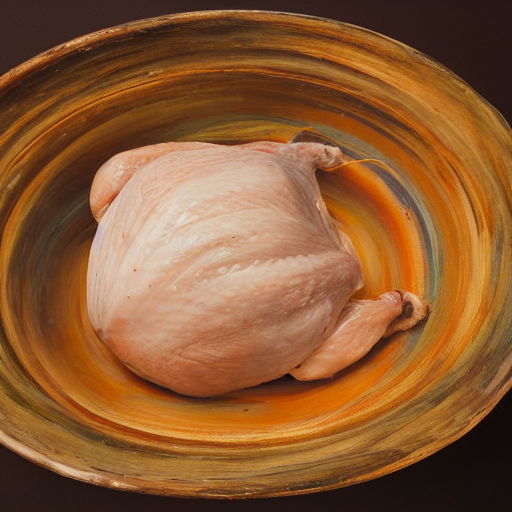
(437, 221)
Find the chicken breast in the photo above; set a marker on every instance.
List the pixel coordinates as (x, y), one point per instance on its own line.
(216, 268)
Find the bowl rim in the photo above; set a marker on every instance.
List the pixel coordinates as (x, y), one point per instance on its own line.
(90, 40)
(45, 57)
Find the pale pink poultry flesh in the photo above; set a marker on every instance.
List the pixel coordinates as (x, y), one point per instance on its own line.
(216, 268)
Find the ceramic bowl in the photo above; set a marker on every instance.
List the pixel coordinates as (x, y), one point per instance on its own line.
(435, 219)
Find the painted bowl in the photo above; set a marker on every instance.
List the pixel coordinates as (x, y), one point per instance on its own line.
(435, 218)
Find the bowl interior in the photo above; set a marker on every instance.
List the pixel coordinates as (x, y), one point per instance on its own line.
(434, 220)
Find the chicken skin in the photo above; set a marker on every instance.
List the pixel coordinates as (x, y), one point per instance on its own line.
(216, 268)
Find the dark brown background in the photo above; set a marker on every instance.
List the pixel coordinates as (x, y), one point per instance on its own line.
(472, 40)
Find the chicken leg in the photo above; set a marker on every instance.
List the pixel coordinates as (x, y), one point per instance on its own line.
(362, 324)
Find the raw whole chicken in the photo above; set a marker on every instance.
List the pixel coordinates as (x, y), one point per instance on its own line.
(216, 268)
